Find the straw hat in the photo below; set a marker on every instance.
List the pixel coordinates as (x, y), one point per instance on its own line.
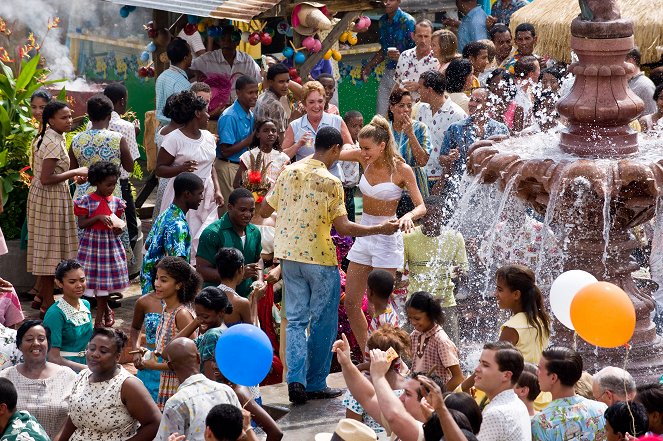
(309, 17)
(348, 430)
(552, 20)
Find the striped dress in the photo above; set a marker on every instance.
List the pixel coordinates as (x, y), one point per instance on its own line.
(403, 144)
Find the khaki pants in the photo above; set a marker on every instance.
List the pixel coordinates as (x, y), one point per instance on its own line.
(226, 172)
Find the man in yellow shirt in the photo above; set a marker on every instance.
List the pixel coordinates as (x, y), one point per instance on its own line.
(436, 257)
(309, 200)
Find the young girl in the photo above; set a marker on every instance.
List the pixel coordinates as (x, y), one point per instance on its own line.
(176, 284)
(529, 326)
(230, 265)
(69, 319)
(211, 305)
(147, 312)
(100, 249)
(432, 349)
(265, 141)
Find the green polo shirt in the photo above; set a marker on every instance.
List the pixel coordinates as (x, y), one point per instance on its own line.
(221, 234)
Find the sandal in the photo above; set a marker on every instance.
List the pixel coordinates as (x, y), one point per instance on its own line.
(109, 318)
(36, 302)
(28, 295)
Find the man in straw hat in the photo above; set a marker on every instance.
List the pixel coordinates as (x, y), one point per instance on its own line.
(396, 32)
(348, 430)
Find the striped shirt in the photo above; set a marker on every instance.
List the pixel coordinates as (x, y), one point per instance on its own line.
(171, 81)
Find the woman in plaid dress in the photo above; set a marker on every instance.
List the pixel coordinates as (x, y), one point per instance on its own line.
(100, 249)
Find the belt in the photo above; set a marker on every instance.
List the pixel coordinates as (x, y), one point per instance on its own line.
(228, 160)
(72, 354)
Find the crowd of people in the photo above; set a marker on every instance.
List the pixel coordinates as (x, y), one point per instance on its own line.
(255, 223)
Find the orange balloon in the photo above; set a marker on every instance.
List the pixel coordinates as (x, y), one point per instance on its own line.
(603, 315)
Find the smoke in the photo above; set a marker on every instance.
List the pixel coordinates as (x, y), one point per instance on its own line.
(34, 15)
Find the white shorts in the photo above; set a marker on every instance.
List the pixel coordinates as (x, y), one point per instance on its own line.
(379, 250)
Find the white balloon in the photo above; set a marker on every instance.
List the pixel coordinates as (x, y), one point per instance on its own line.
(564, 289)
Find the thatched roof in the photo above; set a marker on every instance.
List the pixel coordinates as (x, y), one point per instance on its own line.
(552, 20)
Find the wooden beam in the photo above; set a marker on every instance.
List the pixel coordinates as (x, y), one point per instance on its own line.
(328, 42)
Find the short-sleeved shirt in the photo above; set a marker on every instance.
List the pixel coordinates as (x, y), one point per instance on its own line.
(433, 349)
(506, 418)
(396, 32)
(22, 426)
(128, 132)
(410, 68)
(221, 234)
(437, 124)
(302, 125)
(529, 343)
(71, 328)
(214, 63)
(11, 312)
(503, 14)
(235, 124)
(432, 262)
(472, 27)
(307, 199)
(206, 343)
(171, 81)
(276, 159)
(269, 107)
(570, 418)
(169, 236)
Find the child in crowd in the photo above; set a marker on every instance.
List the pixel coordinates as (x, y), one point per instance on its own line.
(329, 83)
(432, 350)
(527, 387)
(69, 318)
(230, 265)
(176, 284)
(11, 312)
(147, 312)
(529, 326)
(100, 249)
(380, 285)
(435, 258)
(210, 305)
(265, 141)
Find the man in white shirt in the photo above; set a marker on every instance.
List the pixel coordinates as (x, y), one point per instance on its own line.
(413, 62)
(227, 61)
(505, 418)
(438, 113)
(185, 412)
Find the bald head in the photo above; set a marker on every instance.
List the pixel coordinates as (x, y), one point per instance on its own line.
(182, 357)
(612, 384)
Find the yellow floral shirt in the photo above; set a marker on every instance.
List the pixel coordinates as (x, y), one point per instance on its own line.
(307, 198)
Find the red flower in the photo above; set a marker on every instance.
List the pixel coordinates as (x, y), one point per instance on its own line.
(255, 177)
(260, 199)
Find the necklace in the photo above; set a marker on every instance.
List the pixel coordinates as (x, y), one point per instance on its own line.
(423, 344)
(224, 287)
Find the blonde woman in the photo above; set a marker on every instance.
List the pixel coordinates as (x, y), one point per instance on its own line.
(445, 47)
(386, 176)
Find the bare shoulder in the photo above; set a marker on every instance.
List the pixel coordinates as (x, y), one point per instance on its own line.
(402, 173)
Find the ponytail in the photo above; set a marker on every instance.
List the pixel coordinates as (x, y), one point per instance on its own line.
(379, 131)
(50, 110)
(180, 270)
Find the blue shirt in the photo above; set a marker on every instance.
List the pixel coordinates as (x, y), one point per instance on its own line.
(570, 418)
(302, 125)
(396, 33)
(234, 125)
(472, 27)
(169, 236)
(502, 14)
(171, 81)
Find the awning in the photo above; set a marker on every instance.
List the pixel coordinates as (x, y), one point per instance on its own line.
(241, 10)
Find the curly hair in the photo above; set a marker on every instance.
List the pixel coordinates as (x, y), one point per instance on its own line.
(180, 270)
(99, 107)
(101, 170)
(184, 107)
(312, 86)
(255, 142)
(389, 336)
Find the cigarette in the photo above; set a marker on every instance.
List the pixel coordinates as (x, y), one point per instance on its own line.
(137, 351)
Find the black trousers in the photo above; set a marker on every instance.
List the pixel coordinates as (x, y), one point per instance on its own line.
(132, 222)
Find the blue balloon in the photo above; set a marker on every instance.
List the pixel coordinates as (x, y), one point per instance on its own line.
(124, 12)
(288, 52)
(151, 47)
(192, 19)
(145, 56)
(300, 58)
(213, 31)
(244, 354)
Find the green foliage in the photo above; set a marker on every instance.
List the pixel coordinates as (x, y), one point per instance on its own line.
(16, 134)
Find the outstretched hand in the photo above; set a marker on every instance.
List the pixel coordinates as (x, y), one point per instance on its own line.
(342, 350)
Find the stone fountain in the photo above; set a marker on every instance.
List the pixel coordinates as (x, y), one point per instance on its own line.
(595, 185)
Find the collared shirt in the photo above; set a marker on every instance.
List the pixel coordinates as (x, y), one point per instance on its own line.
(269, 106)
(409, 67)
(437, 125)
(235, 124)
(171, 81)
(24, 427)
(433, 350)
(214, 63)
(221, 234)
(71, 328)
(396, 32)
(472, 27)
(503, 14)
(571, 418)
(302, 125)
(505, 418)
(185, 412)
(307, 198)
(128, 131)
(169, 236)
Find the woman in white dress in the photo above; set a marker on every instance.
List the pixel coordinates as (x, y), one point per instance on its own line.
(191, 148)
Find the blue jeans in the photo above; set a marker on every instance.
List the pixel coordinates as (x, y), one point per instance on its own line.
(313, 294)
